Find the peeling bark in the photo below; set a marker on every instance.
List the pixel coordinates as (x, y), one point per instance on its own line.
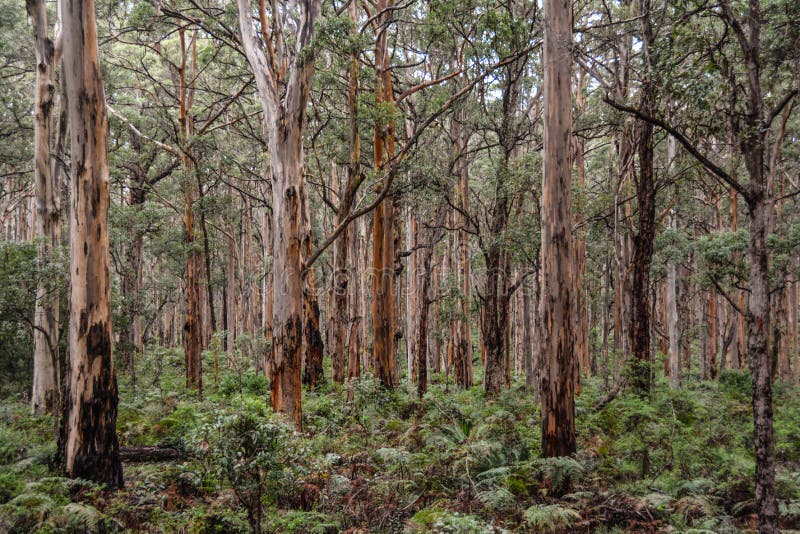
(284, 106)
(383, 272)
(90, 445)
(557, 377)
(47, 228)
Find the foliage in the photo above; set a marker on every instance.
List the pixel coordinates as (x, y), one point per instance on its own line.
(551, 517)
(252, 453)
(451, 462)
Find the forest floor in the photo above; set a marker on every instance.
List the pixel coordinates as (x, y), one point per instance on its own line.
(388, 462)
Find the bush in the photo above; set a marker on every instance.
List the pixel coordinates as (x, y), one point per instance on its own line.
(252, 452)
(246, 383)
(736, 384)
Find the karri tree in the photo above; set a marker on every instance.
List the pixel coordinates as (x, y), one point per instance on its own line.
(557, 378)
(283, 78)
(90, 445)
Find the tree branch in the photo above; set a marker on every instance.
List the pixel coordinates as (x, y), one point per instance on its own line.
(135, 130)
(779, 107)
(712, 167)
(392, 165)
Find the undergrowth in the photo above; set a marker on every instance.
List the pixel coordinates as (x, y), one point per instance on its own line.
(453, 461)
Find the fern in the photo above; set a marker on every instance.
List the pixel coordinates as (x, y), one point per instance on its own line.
(81, 517)
(495, 475)
(790, 510)
(551, 517)
(561, 471)
(496, 499)
(27, 511)
(696, 486)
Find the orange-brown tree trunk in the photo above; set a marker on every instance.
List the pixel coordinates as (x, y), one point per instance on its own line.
(192, 336)
(90, 445)
(557, 377)
(383, 300)
(283, 92)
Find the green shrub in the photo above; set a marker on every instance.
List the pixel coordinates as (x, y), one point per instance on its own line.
(736, 383)
(253, 453)
(12, 446)
(246, 383)
(10, 485)
(443, 521)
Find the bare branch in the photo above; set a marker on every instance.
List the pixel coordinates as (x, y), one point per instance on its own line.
(712, 167)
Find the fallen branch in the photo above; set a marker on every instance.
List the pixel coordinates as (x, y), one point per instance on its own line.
(602, 403)
(144, 454)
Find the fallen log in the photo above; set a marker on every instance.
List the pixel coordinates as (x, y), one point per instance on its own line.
(149, 453)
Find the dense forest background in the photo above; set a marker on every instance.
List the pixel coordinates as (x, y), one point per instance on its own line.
(451, 266)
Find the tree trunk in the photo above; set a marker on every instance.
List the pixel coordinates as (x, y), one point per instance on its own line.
(383, 301)
(737, 344)
(284, 118)
(422, 331)
(91, 449)
(557, 375)
(643, 240)
(527, 337)
(269, 292)
(495, 318)
(435, 341)
(131, 282)
(711, 317)
(314, 345)
(672, 320)
(46, 369)
(462, 357)
(761, 365)
(192, 336)
(412, 296)
(581, 311)
(340, 315)
(623, 154)
(356, 313)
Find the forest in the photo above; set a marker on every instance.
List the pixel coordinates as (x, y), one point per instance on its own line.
(406, 266)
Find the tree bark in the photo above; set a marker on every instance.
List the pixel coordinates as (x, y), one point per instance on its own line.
(383, 301)
(356, 313)
(581, 311)
(283, 97)
(47, 228)
(527, 336)
(557, 375)
(495, 310)
(340, 315)
(462, 357)
(412, 296)
(711, 333)
(91, 449)
(192, 337)
(422, 331)
(760, 360)
(672, 320)
(643, 240)
(313, 375)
